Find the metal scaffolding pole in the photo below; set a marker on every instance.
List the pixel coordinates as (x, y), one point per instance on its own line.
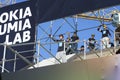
(14, 68)
(3, 60)
(51, 25)
(36, 33)
(38, 54)
(101, 47)
(115, 41)
(85, 47)
(76, 23)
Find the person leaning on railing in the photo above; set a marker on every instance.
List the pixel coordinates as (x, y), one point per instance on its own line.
(91, 42)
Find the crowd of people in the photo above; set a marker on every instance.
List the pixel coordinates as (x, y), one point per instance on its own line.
(70, 45)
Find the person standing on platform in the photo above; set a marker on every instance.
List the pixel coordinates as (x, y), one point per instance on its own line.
(61, 54)
(75, 40)
(105, 36)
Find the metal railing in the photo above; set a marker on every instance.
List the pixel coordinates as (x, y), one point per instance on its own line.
(81, 55)
(98, 47)
(16, 55)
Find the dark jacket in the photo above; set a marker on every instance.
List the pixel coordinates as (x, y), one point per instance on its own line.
(105, 32)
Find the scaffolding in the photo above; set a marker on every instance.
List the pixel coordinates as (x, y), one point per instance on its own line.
(44, 44)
